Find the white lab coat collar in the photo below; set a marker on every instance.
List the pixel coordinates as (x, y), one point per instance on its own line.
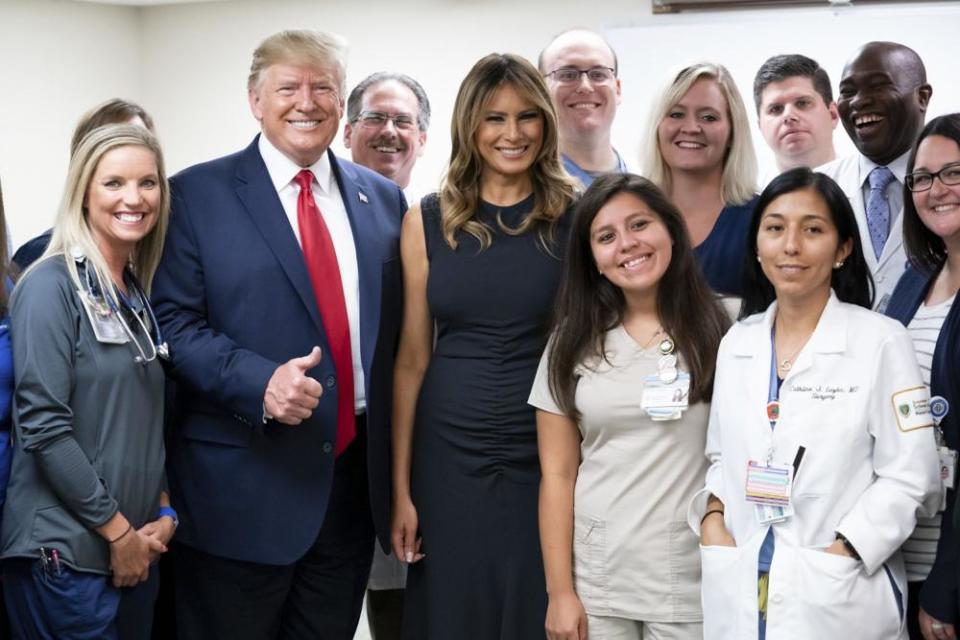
(830, 336)
(283, 170)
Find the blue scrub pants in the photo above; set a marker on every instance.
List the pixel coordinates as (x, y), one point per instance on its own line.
(44, 604)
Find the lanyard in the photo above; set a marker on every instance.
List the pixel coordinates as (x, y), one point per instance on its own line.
(773, 393)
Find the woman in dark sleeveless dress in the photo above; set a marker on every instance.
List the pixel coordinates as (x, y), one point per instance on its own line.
(481, 263)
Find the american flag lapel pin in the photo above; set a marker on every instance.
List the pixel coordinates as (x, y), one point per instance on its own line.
(362, 196)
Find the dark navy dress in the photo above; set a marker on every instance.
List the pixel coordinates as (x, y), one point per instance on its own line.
(721, 254)
(475, 472)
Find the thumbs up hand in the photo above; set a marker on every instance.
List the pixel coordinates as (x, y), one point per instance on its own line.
(291, 394)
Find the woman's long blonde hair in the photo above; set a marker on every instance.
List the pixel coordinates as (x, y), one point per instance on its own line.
(71, 232)
(553, 189)
(739, 181)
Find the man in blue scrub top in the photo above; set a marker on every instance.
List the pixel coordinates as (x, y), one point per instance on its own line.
(580, 69)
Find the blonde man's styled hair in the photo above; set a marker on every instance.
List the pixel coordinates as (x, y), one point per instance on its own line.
(553, 189)
(315, 49)
(739, 181)
(71, 231)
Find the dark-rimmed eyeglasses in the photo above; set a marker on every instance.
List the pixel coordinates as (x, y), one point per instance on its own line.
(923, 180)
(571, 75)
(377, 119)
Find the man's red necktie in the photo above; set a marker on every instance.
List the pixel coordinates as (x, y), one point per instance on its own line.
(321, 259)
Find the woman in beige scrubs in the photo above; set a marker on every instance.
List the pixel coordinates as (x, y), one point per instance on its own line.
(622, 395)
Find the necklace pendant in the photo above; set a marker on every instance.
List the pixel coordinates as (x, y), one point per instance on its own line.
(786, 365)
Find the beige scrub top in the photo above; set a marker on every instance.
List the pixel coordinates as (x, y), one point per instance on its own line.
(635, 557)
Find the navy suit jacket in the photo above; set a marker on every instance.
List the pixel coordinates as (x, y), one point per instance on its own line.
(234, 301)
(939, 594)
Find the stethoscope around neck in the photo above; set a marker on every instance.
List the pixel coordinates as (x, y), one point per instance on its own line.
(157, 347)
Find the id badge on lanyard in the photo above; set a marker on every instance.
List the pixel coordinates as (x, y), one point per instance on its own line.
(939, 407)
(769, 485)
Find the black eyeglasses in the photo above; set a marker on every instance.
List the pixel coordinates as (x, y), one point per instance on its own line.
(923, 180)
(376, 119)
(571, 75)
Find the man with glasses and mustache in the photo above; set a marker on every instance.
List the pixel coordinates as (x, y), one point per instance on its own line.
(388, 115)
(580, 69)
(387, 119)
(882, 102)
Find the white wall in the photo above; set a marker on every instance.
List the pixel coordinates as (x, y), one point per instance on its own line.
(187, 64)
(56, 60)
(194, 82)
(742, 40)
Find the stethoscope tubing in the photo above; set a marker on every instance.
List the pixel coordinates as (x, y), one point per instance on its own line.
(157, 344)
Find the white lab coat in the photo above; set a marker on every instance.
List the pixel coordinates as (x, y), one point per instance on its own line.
(893, 260)
(862, 475)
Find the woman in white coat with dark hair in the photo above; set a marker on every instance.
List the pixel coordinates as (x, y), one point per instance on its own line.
(820, 437)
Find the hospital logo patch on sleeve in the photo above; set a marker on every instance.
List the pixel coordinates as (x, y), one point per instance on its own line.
(912, 408)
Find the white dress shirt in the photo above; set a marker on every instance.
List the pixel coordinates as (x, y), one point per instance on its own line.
(894, 190)
(326, 193)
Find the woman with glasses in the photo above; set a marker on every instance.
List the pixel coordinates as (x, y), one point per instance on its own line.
(481, 264)
(87, 511)
(924, 302)
(820, 437)
(700, 153)
(623, 396)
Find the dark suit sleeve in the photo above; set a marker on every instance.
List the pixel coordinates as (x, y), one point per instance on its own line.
(939, 594)
(209, 362)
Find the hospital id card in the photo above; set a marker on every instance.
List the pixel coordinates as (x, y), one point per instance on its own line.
(665, 400)
(948, 467)
(768, 484)
(106, 326)
(769, 514)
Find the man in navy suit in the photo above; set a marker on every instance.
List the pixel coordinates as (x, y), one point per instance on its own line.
(279, 294)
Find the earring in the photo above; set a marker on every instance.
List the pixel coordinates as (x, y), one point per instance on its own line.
(758, 258)
(838, 264)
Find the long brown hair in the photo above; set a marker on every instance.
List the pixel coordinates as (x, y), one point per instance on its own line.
(553, 189)
(588, 305)
(925, 249)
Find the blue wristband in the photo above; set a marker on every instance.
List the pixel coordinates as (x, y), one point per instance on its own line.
(168, 511)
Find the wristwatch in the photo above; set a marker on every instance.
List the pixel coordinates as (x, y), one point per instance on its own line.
(849, 547)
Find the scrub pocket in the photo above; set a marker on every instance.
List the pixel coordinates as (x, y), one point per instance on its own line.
(59, 604)
(838, 596)
(590, 562)
(718, 591)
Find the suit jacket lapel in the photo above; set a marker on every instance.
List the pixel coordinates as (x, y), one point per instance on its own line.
(256, 192)
(851, 184)
(356, 199)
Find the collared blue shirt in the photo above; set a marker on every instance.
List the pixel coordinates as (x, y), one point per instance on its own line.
(587, 177)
